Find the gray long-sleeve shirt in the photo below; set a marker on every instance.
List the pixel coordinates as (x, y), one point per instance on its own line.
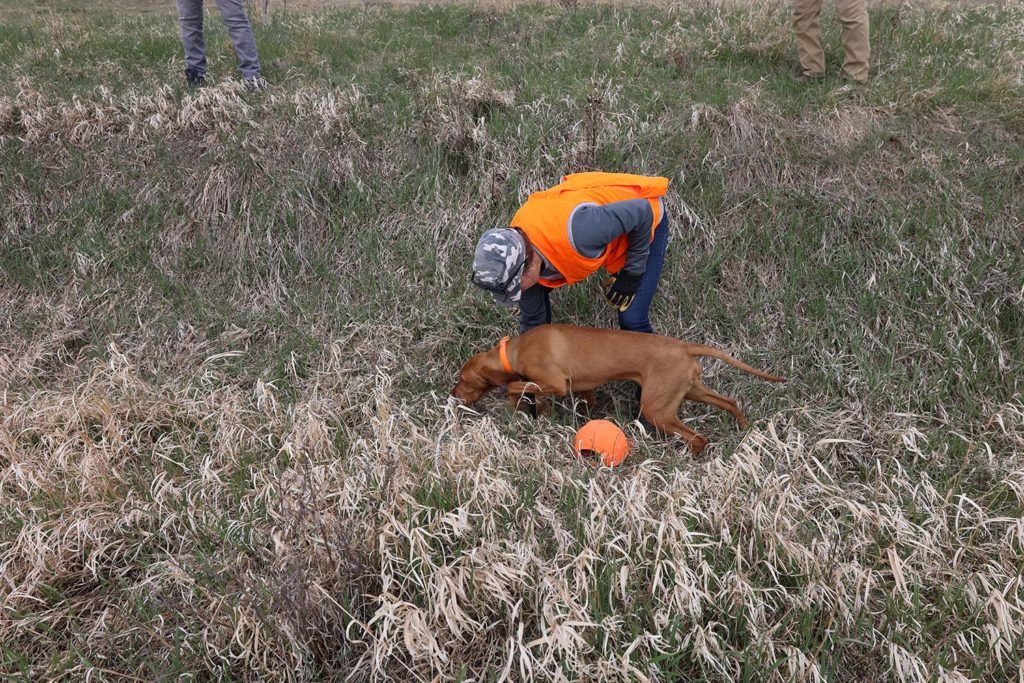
(592, 227)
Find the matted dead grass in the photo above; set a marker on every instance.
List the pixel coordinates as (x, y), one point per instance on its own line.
(415, 549)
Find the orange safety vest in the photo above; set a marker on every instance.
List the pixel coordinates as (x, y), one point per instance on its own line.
(544, 218)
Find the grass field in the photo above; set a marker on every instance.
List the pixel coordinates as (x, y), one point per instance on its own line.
(231, 321)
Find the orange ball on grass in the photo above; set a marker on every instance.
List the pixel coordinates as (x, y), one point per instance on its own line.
(604, 438)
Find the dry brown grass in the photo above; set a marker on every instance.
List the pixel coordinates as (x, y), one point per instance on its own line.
(466, 571)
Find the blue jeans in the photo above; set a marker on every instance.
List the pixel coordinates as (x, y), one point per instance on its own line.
(636, 318)
(190, 16)
(535, 303)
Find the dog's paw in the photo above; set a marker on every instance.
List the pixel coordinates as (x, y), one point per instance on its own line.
(697, 444)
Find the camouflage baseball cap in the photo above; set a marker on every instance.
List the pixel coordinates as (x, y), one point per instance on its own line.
(498, 264)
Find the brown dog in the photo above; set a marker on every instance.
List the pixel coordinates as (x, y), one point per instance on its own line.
(555, 360)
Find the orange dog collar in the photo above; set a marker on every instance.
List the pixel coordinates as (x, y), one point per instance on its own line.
(503, 354)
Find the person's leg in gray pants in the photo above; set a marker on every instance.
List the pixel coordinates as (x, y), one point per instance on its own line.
(190, 15)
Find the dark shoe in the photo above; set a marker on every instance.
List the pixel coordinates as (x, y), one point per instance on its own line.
(194, 78)
(254, 83)
(803, 77)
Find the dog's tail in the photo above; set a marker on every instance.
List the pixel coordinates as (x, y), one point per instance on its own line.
(701, 350)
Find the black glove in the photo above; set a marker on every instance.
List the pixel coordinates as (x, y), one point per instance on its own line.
(620, 290)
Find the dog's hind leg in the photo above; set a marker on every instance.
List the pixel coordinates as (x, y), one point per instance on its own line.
(660, 407)
(701, 394)
(675, 426)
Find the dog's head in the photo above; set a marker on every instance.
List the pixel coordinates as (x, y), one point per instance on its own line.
(480, 374)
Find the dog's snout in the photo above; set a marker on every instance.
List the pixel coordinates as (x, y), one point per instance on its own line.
(465, 393)
(459, 393)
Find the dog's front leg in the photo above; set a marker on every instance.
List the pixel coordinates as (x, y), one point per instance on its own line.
(590, 399)
(537, 388)
(527, 403)
(531, 394)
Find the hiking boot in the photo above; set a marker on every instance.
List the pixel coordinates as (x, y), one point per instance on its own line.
(194, 77)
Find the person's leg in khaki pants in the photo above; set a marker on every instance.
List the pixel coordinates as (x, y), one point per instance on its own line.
(853, 16)
(808, 37)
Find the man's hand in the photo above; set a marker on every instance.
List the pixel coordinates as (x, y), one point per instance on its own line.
(620, 290)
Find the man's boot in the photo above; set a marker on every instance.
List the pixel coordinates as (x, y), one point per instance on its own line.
(194, 78)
